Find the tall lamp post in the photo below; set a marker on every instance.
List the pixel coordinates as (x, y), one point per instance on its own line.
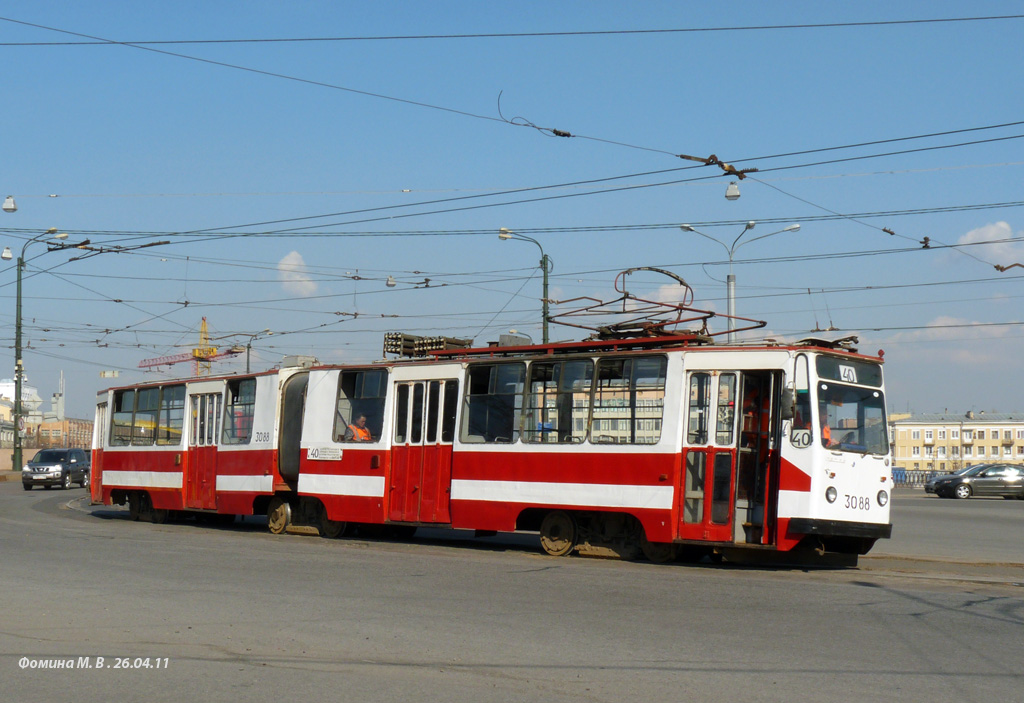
(730, 281)
(545, 266)
(16, 460)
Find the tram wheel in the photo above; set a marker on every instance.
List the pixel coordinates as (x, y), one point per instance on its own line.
(332, 529)
(657, 552)
(158, 516)
(279, 515)
(558, 533)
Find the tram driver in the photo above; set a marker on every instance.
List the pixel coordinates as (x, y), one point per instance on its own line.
(357, 431)
(826, 431)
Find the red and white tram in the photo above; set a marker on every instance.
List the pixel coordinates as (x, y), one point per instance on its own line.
(666, 446)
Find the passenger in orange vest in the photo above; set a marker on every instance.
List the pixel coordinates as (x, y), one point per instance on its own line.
(357, 431)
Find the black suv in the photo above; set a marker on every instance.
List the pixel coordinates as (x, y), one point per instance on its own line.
(57, 467)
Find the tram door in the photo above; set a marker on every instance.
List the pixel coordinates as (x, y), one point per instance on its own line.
(757, 458)
(709, 456)
(293, 404)
(201, 477)
(728, 462)
(419, 488)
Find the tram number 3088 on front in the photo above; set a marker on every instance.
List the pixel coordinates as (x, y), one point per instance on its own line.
(857, 502)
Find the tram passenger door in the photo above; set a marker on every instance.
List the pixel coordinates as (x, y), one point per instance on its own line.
(706, 512)
(201, 481)
(728, 464)
(99, 439)
(419, 487)
(757, 458)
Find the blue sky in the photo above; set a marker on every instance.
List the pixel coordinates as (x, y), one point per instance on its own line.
(330, 165)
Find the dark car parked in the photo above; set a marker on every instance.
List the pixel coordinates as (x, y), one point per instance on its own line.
(1006, 480)
(932, 483)
(57, 467)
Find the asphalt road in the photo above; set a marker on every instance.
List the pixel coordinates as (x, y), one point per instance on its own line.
(233, 612)
(987, 530)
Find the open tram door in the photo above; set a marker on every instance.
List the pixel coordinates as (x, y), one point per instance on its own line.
(419, 485)
(730, 457)
(293, 405)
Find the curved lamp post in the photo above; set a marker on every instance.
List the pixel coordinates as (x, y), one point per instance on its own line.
(16, 460)
(730, 281)
(545, 266)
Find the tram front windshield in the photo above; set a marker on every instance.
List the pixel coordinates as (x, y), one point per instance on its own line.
(852, 419)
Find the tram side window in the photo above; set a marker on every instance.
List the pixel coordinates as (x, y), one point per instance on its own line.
(450, 405)
(147, 405)
(239, 411)
(494, 403)
(801, 433)
(360, 393)
(172, 415)
(726, 413)
(629, 400)
(558, 402)
(121, 418)
(700, 405)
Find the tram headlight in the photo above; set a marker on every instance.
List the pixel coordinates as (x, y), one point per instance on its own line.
(831, 494)
(883, 498)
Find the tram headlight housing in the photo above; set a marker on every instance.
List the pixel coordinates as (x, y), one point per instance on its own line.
(883, 498)
(831, 494)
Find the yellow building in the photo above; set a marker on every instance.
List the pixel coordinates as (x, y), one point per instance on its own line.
(945, 442)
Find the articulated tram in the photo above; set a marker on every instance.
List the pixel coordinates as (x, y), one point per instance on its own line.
(664, 446)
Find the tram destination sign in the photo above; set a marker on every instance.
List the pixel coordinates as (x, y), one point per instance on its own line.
(861, 373)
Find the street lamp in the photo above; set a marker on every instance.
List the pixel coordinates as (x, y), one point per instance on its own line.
(522, 334)
(730, 281)
(545, 266)
(19, 422)
(237, 348)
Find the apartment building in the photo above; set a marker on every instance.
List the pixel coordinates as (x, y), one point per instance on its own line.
(946, 442)
(64, 433)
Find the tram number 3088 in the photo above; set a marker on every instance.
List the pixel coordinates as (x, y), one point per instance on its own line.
(858, 502)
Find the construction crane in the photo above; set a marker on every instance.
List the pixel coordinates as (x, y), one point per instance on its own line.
(200, 356)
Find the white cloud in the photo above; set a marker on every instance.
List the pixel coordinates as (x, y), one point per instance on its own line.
(671, 293)
(294, 278)
(1000, 252)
